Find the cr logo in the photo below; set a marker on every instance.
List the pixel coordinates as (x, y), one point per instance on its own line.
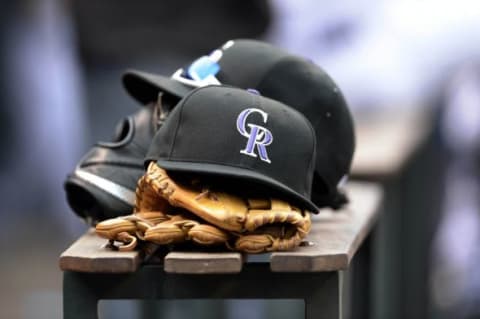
(257, 136)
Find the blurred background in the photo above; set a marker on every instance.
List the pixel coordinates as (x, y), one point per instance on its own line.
(60, 80)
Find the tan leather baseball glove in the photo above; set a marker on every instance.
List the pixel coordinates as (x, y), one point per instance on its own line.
(126, 229)
(167, 212)
(248, 225)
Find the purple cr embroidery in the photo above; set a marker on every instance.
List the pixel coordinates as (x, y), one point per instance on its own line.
(258, 136)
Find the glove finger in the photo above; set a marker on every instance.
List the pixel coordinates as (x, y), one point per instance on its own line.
(305, 227)
(165, 233)
(258, 218)
(259, 243)
(148, 217)
(179, 229)
(271, 237)
(171, 231)
(207, 235)
(131, 224)
(110, 228)
(253, 244)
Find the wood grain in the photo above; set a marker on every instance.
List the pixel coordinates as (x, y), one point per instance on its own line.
(335, 237)
(203, 263)
(89, 254)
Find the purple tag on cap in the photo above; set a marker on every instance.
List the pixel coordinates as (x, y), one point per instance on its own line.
(253, 91)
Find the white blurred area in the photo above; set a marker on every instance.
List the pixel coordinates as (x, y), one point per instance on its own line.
(455, 280)
(391, 56)
(381, 53)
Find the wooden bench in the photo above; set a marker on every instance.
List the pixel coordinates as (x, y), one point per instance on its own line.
(315, 272)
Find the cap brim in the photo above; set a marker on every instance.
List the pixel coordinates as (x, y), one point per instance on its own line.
(144, 87)
(241, 174)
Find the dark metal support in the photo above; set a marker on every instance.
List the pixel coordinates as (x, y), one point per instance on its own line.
(360, 290)
(320, 291)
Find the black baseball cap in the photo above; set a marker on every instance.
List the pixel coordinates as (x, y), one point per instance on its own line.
(239, 135)
(279, 75)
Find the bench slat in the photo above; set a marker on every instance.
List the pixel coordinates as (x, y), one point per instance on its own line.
(335, 236)
(89, 254)
(203, 263)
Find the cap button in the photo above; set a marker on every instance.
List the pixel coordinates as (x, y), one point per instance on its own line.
(253, 91)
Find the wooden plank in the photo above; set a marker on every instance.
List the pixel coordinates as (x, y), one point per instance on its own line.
(89, 254)
(203, 263)
(386, 142)
(335, 236)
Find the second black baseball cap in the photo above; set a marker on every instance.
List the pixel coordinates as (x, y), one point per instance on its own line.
(279, 75)
(239, 135)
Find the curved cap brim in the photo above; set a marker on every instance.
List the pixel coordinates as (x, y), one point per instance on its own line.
(242, 174)
(144, 87)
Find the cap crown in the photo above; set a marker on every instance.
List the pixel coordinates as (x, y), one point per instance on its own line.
(232, 132)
